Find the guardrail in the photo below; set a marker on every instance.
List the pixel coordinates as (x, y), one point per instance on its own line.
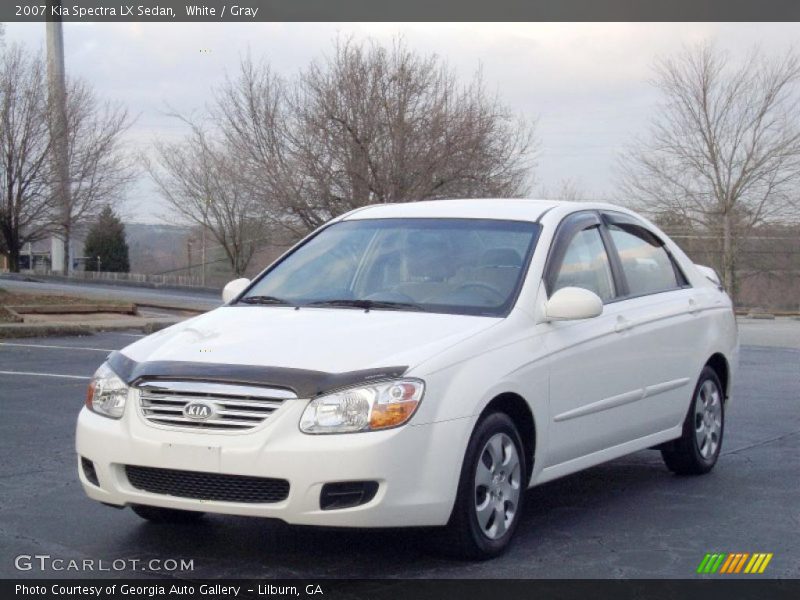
(178, 280)
(181, 280)
(123, 279)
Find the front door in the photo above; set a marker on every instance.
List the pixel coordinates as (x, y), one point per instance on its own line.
(597, 367)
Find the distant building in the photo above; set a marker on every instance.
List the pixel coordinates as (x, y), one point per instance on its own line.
(45, 256)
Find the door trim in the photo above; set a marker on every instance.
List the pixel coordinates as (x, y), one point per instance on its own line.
(621, 399)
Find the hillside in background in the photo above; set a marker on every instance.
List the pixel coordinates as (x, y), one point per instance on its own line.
(159, 248)
(156, 248)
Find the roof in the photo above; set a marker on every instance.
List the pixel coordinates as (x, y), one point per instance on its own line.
(515, 209)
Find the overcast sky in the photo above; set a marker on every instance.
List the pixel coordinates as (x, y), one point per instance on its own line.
(586, 84)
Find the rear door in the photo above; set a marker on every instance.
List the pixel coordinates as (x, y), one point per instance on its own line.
(658, 313)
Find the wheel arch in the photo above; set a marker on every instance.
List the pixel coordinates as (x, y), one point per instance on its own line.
(721, 367)
(518, 409)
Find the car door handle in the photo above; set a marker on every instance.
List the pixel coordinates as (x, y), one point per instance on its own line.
(693, 307)
(622, 324)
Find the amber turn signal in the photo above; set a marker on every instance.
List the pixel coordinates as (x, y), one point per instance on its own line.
(391, 415)
(90, 394)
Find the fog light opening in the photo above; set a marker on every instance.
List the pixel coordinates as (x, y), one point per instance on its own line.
(89, 472)
(347, 494)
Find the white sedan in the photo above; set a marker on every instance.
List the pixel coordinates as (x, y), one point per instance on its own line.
(420, 364)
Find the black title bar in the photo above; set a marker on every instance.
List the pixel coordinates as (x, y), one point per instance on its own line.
(718, 588)
(399, 10)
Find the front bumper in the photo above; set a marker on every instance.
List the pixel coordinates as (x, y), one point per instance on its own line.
(416, 467)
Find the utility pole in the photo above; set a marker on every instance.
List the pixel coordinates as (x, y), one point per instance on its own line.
(57, 95)
(190, 270)
(203, 255)
(203, 251)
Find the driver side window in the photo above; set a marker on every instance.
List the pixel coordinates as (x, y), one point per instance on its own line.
(586, 265)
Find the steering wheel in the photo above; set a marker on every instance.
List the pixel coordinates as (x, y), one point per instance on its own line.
(485, 287)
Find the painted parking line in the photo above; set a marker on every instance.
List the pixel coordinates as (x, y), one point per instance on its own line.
(30, 374)
(48, 347)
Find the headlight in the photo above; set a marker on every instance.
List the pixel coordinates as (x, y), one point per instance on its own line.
(365, 408)
(107, 393)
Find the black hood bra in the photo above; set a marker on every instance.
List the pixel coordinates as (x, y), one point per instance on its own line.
(303, 382)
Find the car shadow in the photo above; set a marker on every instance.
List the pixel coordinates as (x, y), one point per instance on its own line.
(246, 547)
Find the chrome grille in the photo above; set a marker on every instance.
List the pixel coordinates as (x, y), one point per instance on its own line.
(228, 407)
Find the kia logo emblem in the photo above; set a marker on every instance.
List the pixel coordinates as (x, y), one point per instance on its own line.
(198, 411)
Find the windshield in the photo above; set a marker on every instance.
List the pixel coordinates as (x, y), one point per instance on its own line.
(461, 266)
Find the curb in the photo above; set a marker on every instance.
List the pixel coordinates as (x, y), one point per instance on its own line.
(29, 330)
(171, 306)
(61, 309)
(195, 307)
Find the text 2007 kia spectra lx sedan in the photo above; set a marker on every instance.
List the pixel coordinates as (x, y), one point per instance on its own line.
(420, 364)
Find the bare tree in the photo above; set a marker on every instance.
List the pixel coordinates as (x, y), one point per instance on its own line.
(25, 200)
(370, 125)
(723, 152)
(99, 166)
(201, 180)
(253, 117)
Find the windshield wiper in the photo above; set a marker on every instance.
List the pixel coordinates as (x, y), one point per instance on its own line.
(367, 304)
(274, 300)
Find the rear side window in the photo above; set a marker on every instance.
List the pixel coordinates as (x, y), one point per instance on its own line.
(647, 266)
(586, 265)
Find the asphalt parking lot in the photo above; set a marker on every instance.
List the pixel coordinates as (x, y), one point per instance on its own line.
(628, 518)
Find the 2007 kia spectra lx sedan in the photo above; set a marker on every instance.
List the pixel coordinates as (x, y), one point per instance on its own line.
(420, 364)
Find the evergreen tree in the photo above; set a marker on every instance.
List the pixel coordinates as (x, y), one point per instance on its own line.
(105, 248)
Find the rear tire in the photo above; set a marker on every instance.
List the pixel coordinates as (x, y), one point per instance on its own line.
(491, 492)
(697, 450)
(157, 514)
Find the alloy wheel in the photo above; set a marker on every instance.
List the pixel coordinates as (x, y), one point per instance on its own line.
(708, 419)
(497, 486)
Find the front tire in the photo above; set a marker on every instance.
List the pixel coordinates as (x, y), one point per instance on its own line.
(157, 514)
(697, 450)
(491, 491)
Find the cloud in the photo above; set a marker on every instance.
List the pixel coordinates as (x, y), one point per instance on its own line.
(587, 83)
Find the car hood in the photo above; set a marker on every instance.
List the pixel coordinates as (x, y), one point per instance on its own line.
(320, 339)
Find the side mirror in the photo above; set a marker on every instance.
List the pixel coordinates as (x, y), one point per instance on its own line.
(234, 288)
(571, 303)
